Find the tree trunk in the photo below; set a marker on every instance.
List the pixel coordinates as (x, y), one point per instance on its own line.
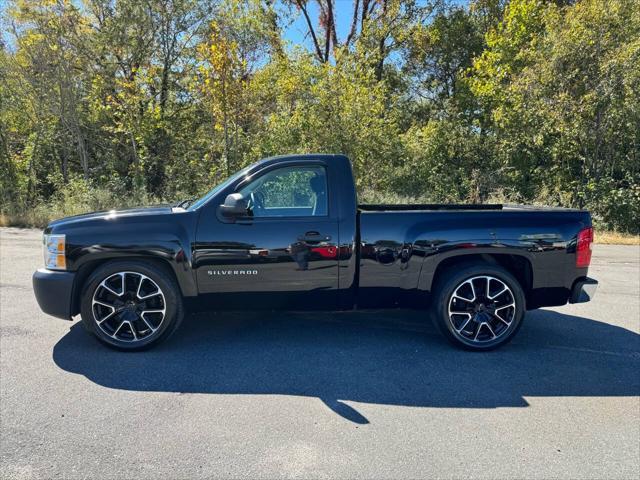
(312, 32)
(81, 149)
(381, 48)
(225, 126)
(164, 86)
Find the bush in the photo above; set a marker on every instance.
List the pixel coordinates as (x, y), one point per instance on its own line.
(615, 205)
(74, 197)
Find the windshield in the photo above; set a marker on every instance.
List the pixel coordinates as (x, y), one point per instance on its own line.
(218, 188)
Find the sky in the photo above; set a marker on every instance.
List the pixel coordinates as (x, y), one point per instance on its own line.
(298, 33)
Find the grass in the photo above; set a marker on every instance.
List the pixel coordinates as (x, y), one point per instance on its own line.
(32, 219)
(615, 238)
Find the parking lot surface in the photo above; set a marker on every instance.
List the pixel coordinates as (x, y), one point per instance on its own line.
(324, 395)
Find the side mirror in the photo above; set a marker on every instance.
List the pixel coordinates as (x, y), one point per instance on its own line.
(234, 205)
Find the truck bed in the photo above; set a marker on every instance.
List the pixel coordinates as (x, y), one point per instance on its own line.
(402, 246)
(397, 207)
(381, 207)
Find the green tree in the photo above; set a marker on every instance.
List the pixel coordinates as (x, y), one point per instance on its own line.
(106, 103)
(561, 86)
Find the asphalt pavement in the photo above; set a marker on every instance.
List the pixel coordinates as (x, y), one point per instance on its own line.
(325, 395)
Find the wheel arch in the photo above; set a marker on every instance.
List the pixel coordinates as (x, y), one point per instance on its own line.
(517, 265)
(90, 266)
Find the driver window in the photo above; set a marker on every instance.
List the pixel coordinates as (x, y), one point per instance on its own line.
(288, 192)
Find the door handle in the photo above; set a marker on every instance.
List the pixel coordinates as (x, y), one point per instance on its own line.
(313, 236)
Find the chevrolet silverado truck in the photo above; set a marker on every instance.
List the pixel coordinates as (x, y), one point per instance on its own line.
(288, 233)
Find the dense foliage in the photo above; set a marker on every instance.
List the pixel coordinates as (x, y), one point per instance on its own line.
(113, 102)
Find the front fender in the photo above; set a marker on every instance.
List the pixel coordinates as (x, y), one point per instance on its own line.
(164, 238)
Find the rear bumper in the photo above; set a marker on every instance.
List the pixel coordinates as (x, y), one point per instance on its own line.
(583, 290)
(54, 291)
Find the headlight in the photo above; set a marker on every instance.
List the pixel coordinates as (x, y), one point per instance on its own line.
(54, 252)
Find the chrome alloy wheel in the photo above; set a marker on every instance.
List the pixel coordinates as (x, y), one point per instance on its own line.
(128, 306)
(481, 309)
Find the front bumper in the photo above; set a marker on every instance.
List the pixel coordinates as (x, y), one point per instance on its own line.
(583, 290)
(54, 291)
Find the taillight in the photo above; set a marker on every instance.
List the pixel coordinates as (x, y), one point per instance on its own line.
(583, 247)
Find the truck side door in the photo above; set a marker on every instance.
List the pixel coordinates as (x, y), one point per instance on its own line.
(283, 254)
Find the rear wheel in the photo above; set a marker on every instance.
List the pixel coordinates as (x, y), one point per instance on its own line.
(131, 305)
(478, 306)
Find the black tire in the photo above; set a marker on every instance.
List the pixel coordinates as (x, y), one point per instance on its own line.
(149, 318)
(466, 281)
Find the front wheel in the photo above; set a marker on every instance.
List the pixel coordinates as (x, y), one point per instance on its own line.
(131, 305)
(478, 306)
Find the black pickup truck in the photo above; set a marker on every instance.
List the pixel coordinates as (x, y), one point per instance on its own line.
(287, 233)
